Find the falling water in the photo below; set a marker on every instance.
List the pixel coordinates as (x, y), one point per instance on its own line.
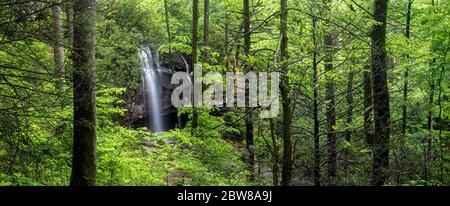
(185, 64)
(187, 68)
(150, 65)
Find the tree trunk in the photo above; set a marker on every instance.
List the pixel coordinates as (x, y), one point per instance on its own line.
(405, 85)
(330, 101)
(349, 120)
(226, 46)
(275, 157)
(381, 95)
(194, 56)
(368, 107)
(169, 34)
(58, 47)
(315, 107)
(429, 140)
(441, 125)
(169, 40)
(69, 13)
(236, 63)
(206, 31)
(83, 57)
(248, 110)
(284, 88)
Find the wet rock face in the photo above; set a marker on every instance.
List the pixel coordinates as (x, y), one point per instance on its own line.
(137, 111)
(138, 115)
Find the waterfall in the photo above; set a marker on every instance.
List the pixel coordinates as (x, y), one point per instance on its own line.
(185, 64)
(187, 67)
(149, 61)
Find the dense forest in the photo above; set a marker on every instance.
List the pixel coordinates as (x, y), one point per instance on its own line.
(363, 92)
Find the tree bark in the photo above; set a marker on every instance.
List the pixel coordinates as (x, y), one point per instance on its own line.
(381, 95)
(166, 14)
(286, 172)
(429, 139)
(206, 31)
(349, 120)
(441, 126)
(194, 56)
(368, 107)
(316, 125)
(169, 34)
(226, 46)
(330, 101)
(83, 57)
(275, 157)
(69, 14)
(249, 118)
(405, 85)
(58, 47)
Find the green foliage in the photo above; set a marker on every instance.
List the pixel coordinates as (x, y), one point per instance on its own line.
(134, 156)
(36, 117)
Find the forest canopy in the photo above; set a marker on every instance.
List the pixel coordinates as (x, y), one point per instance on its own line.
(363, 87)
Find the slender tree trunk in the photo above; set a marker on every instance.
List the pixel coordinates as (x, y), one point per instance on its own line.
(381, 95)
(330, 101)
(58, 47)
(236, 62)
(405, 86)
(368, 107)
(169, 34)
(249, 117)
(194, 56)
(275, 157)
(237, 51)
(169, 39)
(58, 59)
(246, 25)
(83, 57)
(441, 125)
(398, 160)
(226, 45)
(349, 120)
(286, 173)
(206, 30)
(429, 140)
(248, 110)
(69, 13)
(315, 107)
